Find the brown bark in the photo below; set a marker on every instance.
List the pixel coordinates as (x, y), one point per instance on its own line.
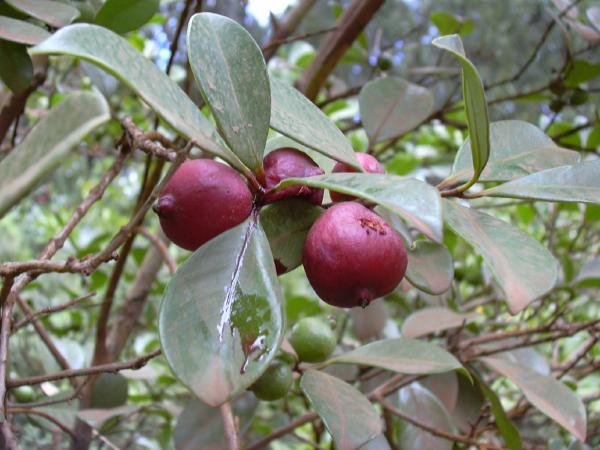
(347, 29)
(129, 314)
(284, 29)
(14, 105)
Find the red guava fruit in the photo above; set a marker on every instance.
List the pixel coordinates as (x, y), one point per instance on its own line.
(368, 163)
(202, 199)
(287, 162)
(352, 256)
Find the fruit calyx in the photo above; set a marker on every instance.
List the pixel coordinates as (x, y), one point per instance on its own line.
(371, 225)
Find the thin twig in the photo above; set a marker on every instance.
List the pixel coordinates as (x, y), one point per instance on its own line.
(45, 415)
(535, 52)
(435, 431)
(231, 433)
(56, 401)
(298, 37)
(50, 310)
(133, 364)
(262, 443)
(160, 246)
(282, 31)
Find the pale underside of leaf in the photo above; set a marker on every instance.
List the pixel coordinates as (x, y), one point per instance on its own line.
(430, 267)
(517, 149)
(424, 407)
(577, 183)
(435, 318)
(348, 415)
(401, 355)
(391, 107)
(523, 267)
(550, 396)
(53, 13)
(21, 32)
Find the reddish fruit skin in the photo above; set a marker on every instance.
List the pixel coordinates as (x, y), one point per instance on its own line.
(352, 256)
(368, 163)
(287, 162)
(203, 199)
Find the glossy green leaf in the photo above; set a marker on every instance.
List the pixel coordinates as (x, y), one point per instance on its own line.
(115, 55)
(475, 103)
(122, 16)
(593, 139)
(430, 267)
(401, 355)
(449, 24)
(581, 72)
(526, 356)
(286, 224)
(432, 319)
(402, 164)
(415, 201)
(16, 70)
(53, 13)
(524, 269)
(232, 76)
(517, 149)
(426, 408)
(21, 32)
(293, 115)
(348, 415)
(201, 427)
(558, 127)
(44, 148)
(390, 107)
(550, 396)
(509, 431)
(221, 318)
(577, 183)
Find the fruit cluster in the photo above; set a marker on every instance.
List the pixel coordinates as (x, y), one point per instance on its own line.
(351, 255)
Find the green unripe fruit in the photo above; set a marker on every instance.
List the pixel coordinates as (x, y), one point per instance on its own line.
(287, 358)
(313, 340)
(274, 383)
(24, 394)
(110, 391)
